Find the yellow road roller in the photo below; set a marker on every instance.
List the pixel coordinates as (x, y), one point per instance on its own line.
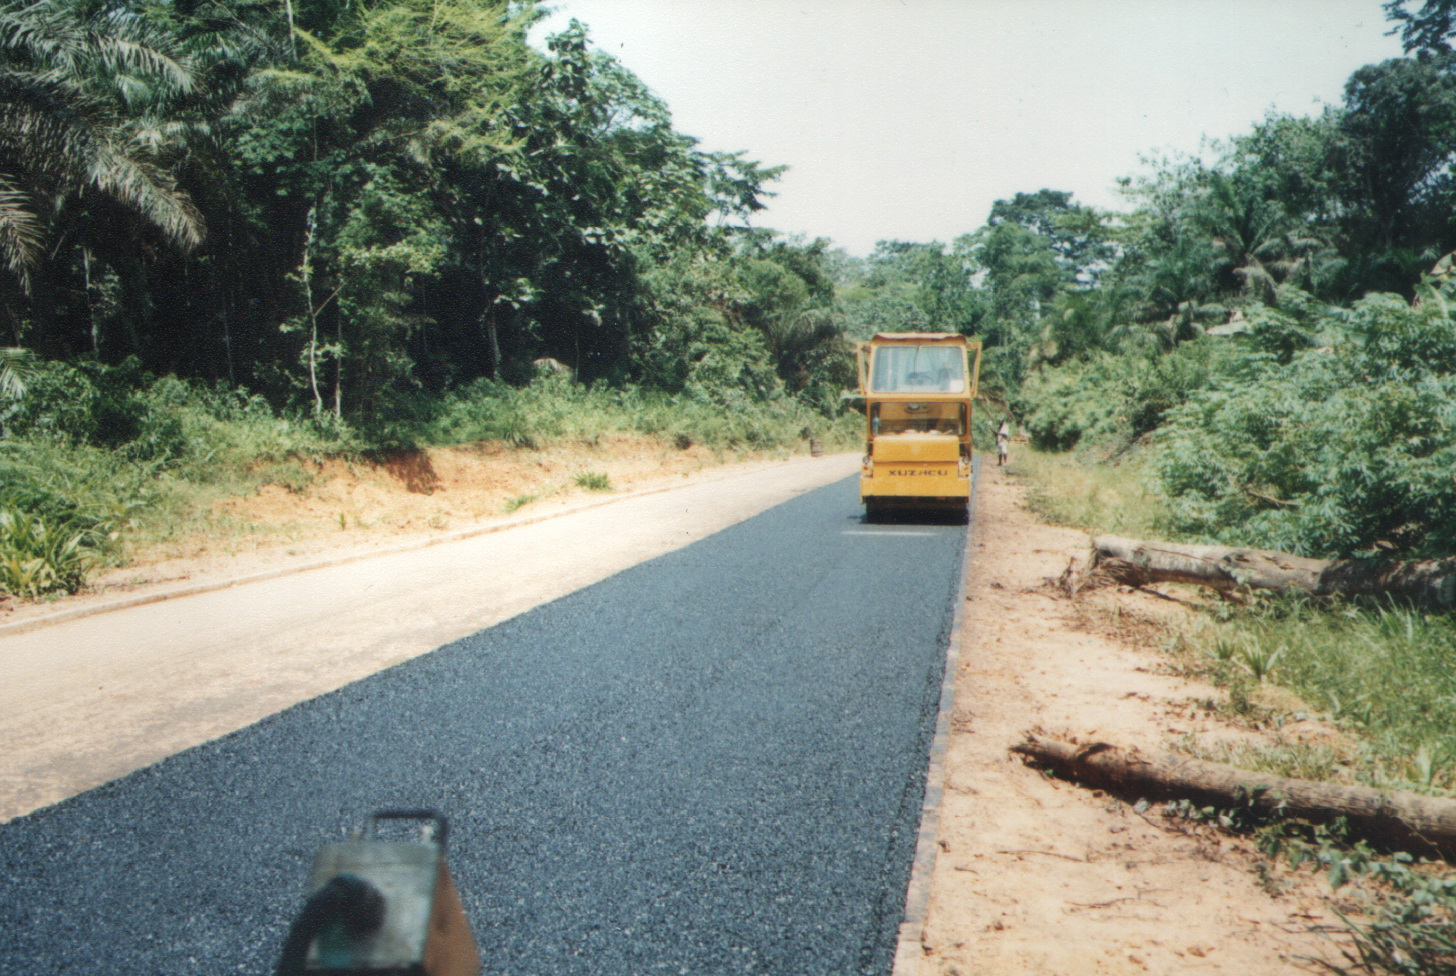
(917, 389)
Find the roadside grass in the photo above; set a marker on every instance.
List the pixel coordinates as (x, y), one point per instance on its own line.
(519, 501)
(39, 555)
(1383, 674)
(107, 461)
(593, 481)
(1386, 675)
(1100, 497)
(225, 453)
(1300, 760)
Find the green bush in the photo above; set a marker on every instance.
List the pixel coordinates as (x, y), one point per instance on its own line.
(102, 406)
(92, 452)
(1116, 396)
(1074, 404)
(553, 408)
(593, 481)
(1344, 448)
(40, 554)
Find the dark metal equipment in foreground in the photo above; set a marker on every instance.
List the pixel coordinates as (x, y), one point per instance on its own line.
(382, 908)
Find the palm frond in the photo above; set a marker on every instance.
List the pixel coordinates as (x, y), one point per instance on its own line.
(17, 368)
(87, 100)
(151, 192)
(21, 232)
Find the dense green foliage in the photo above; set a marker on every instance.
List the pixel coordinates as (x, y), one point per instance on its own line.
(378, 217)
(341, 226)
(1272, 322)
(342, 206)
(1342, 444)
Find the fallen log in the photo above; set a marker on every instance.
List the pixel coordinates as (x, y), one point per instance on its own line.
(1428, 583)
(1395, 819)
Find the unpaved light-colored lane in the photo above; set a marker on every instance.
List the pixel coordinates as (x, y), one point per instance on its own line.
(86, 701)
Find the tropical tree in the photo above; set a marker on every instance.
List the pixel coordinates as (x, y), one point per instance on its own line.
(1019, 277)
(1398, 139)
(1428, 28)
(1253, 236)
(935, 279)
(87, 89)
(789, 299)
(1078, 235)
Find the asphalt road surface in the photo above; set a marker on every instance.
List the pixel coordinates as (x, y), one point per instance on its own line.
(709, 763)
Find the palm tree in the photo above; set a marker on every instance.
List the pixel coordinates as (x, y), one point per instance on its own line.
(809, 345)
(84, 89)
(17, 368)
(1261, 244)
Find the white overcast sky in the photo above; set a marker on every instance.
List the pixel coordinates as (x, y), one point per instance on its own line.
(905, 119)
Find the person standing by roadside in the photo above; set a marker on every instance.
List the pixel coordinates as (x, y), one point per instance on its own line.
(1003, 442)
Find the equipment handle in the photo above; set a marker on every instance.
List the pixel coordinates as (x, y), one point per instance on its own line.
(442, 826)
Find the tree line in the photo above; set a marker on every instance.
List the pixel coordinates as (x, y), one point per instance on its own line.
(360, 209)
(1271, 322)
(351, 205)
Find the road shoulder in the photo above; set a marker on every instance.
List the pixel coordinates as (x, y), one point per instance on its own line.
(85, 700)
(1034, 875)
(163, 575)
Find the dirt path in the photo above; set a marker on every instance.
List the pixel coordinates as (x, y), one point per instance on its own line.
(87, 700)
(341, 508)
(1037, 876)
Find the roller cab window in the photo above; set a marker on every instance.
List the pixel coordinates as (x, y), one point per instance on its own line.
(919, 369)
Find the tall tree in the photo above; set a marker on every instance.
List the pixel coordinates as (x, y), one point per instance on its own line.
(1252, 235)
(1399, 138)
(358, 172)
(1077, 234)
(937, 279)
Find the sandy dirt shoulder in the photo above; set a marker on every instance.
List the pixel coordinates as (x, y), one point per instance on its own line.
(1038, 876)
(350, 508)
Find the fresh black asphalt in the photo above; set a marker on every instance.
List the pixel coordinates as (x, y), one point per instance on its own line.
(710, 763)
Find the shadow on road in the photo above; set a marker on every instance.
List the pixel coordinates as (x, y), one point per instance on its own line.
(949, 516)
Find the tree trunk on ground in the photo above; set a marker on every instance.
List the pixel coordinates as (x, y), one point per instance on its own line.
(1428, 583)
(1394, 818)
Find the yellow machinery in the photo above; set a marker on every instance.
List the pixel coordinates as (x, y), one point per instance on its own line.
(918, 388)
